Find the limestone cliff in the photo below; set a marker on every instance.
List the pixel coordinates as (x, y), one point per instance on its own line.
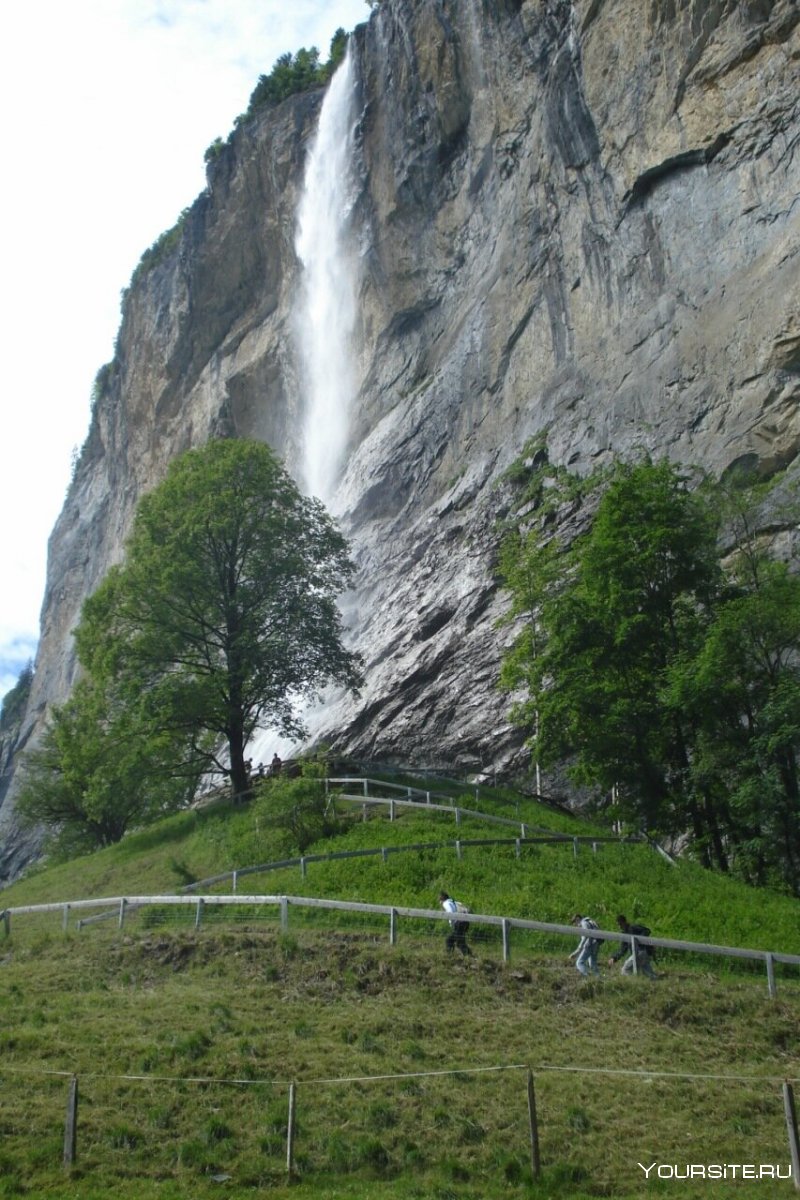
(577, 219)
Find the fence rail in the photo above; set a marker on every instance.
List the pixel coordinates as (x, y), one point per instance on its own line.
(457, 844)
(459, 813)
(394, 912)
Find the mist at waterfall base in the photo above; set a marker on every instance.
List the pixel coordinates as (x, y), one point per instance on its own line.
(324, 325)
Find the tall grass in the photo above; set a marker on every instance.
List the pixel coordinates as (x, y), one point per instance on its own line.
(185, 1041)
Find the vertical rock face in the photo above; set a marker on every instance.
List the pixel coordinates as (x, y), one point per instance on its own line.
(576, 220)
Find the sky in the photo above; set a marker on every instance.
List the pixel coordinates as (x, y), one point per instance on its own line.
(107, 108)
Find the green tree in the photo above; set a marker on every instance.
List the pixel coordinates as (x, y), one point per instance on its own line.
(337, 51)
(99, 770)
(659, 672)
(742, 692)
(628, 597)
(223, 616)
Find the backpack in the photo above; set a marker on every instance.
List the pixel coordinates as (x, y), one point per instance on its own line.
(643, 931)
(461, 908)
(586, 924)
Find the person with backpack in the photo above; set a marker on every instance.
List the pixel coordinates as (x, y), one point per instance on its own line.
(458, 929)
(585, 953)
(644, 954)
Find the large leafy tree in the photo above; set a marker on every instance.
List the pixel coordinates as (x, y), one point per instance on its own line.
(665, 672)
(631, 593)
(223, 614)
(741, 691)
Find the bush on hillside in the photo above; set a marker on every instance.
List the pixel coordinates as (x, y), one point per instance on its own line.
(293, 814)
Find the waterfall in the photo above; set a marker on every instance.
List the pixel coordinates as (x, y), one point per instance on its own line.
(324, 320)
(327, 311)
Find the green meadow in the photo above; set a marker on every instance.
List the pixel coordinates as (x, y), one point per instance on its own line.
(409, 1066)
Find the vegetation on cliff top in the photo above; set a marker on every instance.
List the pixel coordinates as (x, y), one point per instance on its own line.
(301, 71)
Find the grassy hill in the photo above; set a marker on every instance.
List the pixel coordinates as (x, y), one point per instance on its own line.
(410, 1066)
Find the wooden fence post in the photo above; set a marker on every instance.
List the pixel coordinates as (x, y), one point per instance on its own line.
(458, 816)
(303, 866)
(635, 955)
(536, 1164)
(506, 940)
(65, 919)
(7, 922)
(122, 906)
(290, 1132)
(235, 882)
(575, 847)
(198, 917)
(770, 960)
(71, 1123)
(393, 927)
(458, 849)
(791, 1127)
(517, 848)
(284, 914)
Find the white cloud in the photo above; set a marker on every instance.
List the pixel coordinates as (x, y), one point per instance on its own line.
(108, 106)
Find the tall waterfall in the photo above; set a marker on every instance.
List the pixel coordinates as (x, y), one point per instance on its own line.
(327, 313)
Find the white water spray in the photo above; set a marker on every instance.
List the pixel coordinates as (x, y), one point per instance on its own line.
(325, 319)
(328, 308)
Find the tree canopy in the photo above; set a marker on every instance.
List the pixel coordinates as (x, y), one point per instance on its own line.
(100, 768)
(297, 72)
(221, 619)
(223, 614)
(665, 675)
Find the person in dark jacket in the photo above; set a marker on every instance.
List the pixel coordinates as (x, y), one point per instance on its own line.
(644, 954)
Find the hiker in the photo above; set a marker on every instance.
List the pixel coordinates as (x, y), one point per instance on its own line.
(644, 954)
(585, 953)
(275, 765)
(458, 929)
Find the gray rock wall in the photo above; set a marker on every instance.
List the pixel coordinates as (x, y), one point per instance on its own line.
(577, 220)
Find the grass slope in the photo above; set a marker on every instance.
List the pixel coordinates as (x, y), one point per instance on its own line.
(185, 1041)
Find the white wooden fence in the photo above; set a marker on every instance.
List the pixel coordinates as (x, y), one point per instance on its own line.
(122, 904)
(458, 844)
(365, 799)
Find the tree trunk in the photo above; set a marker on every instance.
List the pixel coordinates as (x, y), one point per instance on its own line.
(240, 776)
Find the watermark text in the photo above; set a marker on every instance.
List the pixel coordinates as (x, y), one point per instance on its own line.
(715, 1171)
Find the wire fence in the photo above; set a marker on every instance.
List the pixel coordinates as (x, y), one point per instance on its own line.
(503, 1122)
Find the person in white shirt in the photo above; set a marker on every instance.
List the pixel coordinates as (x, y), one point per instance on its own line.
(458, 929)
(585, 953)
